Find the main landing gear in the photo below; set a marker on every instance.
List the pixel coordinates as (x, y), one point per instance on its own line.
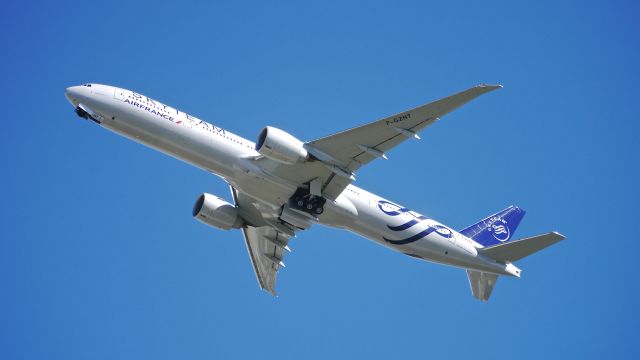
(303, 200)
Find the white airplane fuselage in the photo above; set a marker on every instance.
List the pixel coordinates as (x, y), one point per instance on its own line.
(229, 156)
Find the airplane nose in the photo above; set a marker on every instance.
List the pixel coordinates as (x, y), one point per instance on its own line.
(71, 93)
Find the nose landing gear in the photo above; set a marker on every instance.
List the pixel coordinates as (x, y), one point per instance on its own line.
(87, 114)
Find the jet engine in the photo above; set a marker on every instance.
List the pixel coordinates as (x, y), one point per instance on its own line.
(281, 146)
(214, 211)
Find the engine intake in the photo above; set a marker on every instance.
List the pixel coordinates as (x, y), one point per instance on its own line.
(281, 146)
(216, 212)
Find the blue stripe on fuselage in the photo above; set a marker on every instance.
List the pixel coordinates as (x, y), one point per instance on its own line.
(404, 226)
(407, 225)
(413, 238)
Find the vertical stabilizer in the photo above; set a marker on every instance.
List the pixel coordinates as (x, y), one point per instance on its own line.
(481, 284)
(497, 228)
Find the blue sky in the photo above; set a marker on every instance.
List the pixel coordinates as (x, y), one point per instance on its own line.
(100, 258)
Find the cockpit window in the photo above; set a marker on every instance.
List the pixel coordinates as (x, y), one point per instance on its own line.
(87, 85)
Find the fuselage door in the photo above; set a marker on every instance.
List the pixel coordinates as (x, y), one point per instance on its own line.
(453, 239)
(118, 94)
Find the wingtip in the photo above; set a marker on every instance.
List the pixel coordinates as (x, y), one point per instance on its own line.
(491, 86)
(271, 291)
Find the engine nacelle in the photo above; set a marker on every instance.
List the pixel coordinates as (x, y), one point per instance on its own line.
(281, 146)
(214, 211)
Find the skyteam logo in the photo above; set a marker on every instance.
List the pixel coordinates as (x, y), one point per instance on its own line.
(392, 209)
(499, 229)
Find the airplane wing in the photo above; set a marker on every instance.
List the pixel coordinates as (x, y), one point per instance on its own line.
(266, 247)
(266, 241)
(343, 153)
(360, 145)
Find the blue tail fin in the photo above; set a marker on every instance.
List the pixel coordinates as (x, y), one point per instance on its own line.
(497, 228)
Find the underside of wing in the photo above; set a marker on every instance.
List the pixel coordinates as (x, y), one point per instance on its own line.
(266, 247)
(266, 237)
(358, 146)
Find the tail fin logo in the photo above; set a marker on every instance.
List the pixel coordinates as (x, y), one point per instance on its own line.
(499, 229)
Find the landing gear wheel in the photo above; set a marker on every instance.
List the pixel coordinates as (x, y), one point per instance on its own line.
(303, 201)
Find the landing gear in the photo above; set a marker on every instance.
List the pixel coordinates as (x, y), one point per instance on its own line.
(302, 200)
(83, 113)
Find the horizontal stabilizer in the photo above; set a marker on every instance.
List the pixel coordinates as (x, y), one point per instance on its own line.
(517, 249)
(481, 284)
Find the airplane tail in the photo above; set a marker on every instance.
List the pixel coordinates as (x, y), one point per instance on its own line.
(497, 228)
(482, 283)
(495, 233)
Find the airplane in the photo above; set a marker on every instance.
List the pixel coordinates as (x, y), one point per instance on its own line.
(281, 185)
